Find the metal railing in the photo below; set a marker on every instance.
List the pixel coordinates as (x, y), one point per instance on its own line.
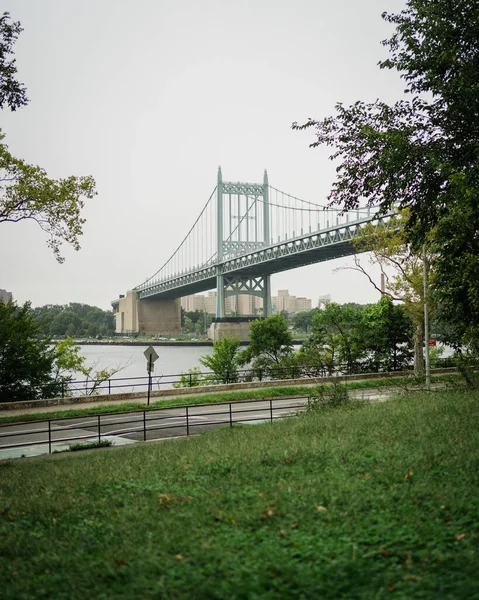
(143, 425)
(196, 378)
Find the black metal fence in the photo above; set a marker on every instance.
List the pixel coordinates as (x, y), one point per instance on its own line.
(50, 435)
(192, 378)
(195, 378)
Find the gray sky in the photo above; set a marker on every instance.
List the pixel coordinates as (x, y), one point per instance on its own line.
(150, 96)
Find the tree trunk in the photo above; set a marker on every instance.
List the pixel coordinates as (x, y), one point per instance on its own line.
(418, 350)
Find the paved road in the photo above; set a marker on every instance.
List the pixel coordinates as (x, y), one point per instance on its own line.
(125, 428)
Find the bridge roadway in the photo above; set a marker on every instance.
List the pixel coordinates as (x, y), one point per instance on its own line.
(160, 424)
(300, 251)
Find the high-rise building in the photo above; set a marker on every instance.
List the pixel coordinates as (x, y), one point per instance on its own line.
(242, 304)
(5, 296)
(290, 304)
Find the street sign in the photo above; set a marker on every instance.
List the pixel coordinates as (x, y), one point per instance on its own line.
(431, 343)
(150, 354)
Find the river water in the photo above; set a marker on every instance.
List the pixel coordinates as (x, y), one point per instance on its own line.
(172, 359)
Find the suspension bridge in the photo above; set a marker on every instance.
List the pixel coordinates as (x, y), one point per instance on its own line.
(245, 233)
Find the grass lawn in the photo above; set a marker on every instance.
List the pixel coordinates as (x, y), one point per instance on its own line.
(366, 501)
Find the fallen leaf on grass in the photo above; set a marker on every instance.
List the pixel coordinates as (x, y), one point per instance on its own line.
(294, 525)
(408, 475)
(179, 557)
(460, 537)
(283, 533)
(412, 578)
(321, 508)
(267, 513)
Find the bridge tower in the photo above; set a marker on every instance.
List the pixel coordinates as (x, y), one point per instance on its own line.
(242, 225)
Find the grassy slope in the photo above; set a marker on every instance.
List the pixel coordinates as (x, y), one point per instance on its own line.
(234, 513)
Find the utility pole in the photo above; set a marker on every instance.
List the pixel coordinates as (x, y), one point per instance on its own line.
(426, 320)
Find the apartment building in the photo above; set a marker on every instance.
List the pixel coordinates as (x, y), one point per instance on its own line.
(284, 301)
(241, 304)
(5, 296)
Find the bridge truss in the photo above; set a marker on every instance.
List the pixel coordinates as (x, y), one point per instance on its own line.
(245, 233)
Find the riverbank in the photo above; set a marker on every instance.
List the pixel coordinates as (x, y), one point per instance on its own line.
(145, 342)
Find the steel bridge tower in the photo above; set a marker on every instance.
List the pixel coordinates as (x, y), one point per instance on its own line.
(242, 225)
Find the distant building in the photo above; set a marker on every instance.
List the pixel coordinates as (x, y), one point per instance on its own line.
(5, 296)
(291, 304)
(324, 300)
(242, 304)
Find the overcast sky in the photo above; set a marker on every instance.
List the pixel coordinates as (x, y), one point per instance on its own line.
(150, 96)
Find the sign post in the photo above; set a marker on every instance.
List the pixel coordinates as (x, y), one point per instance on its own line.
(151, 356)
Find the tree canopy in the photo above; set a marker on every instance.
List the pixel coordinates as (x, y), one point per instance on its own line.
(270, 342)
(27, 359)
(423, 153)
(75, 320)
(353, 338)
(26, 191)
(12, 92)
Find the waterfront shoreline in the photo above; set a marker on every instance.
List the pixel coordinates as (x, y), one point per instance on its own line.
(206, 343)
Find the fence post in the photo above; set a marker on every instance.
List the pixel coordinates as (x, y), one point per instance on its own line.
(231, 416)
(63, 389)
(49, 436)
(190, 381)
(260, 376)
(271, 409)
(144, 425)
(99, 429)
(187, 423)
(109, 386)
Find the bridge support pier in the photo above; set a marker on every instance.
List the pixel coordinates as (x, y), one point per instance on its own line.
(220, 296)
(267, 309)
(230, 327)
(148, 316)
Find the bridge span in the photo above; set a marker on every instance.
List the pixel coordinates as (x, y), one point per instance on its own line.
(245, 233)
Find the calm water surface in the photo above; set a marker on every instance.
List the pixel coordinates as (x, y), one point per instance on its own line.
(172, 359)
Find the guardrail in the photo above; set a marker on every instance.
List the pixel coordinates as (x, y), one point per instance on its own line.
(192, 379)
(52, 435)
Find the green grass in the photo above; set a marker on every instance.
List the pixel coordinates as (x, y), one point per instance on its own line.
(90, 445)
(401, 383)
(373, 500)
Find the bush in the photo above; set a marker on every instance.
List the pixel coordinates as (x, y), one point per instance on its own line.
(331, 396)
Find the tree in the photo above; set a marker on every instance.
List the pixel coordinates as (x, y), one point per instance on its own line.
(68, 361)
(402, 269)
(422, 154)
(303, 320)
(26, 192)
(388, 332)
(355, 338)
(27, 359)
(224, 360)
(74, 319)
(32, 367)
(271, 343)
(12, 92)
(336, 339)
